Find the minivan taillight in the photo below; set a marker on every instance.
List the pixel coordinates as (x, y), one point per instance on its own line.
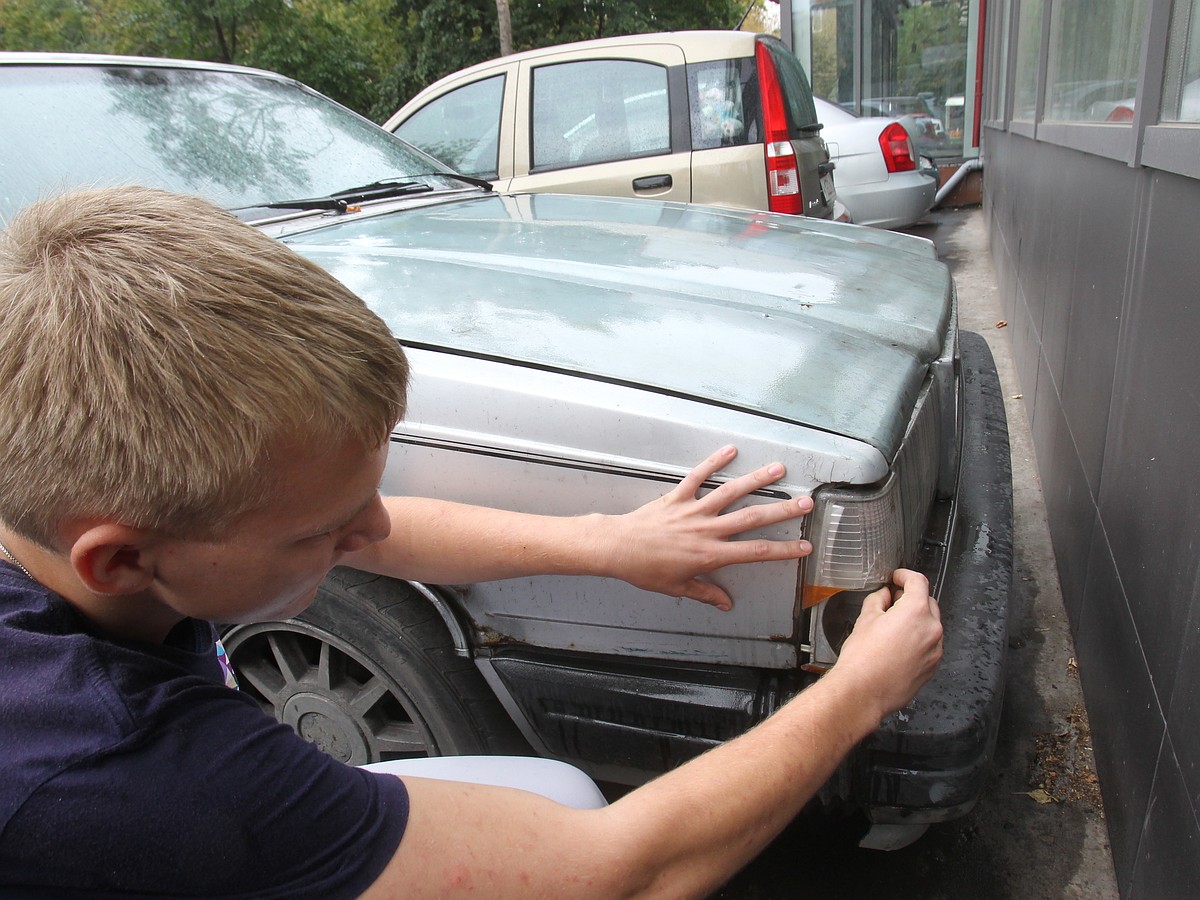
(897, 148)
(783, 176)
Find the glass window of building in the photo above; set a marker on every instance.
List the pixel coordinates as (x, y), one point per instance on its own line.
(1029, 49)
(1095, 49)
(914, 62)
(997, 87)
(1181, 80)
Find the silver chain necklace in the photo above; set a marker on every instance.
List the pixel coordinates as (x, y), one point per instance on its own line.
(16, 562)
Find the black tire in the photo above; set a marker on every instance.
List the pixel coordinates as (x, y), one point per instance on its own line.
(369, 673)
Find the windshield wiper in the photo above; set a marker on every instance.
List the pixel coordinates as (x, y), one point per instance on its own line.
(376, 190)
(469, 179)
(341, 200)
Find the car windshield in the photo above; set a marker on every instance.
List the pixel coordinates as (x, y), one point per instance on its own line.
(242, 140)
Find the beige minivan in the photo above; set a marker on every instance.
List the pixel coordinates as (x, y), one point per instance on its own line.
(714, 117)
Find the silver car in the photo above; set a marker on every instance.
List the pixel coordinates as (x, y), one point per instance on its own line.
(880, 176)
(573, 355)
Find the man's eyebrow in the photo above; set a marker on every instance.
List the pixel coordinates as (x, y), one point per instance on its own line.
(334, 526)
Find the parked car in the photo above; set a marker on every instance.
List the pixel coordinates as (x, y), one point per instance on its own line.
(574, 354)
(720, 117)
(1086, 100)
(880, 178)
(1121, 111)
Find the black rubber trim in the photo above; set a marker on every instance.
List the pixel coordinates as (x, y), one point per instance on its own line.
(933, 755)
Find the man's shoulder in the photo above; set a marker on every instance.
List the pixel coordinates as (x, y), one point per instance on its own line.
(68, 695)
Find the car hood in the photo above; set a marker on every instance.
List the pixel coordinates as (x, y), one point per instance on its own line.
(825, 325)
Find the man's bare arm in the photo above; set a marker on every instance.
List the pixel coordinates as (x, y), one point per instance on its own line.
(687, 832)
(663, 546)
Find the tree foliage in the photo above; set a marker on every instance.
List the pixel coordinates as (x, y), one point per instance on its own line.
(43, 25)
(371, 55)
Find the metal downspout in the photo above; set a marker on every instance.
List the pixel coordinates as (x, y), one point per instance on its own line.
(971, 165)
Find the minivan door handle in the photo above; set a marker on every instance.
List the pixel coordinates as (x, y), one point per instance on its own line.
(652, 183)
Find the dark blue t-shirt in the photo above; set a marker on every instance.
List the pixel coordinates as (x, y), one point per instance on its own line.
(128, 767)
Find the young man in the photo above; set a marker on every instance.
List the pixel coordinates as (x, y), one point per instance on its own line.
(194, 422)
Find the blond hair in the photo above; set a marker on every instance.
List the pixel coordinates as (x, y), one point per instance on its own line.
(154, 350)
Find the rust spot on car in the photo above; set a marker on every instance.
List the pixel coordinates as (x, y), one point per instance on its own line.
(489, 637)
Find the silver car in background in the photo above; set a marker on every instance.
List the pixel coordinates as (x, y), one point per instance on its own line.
(880, 177)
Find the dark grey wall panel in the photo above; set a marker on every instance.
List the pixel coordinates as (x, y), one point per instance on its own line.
(1069, 510)
(1103, 234)
(1058, 256)
(1023, 333)
(1149, 499)
(1127, 724)
(1168, 859)
(1035, 239)
(1183, 715)
(1098, 264)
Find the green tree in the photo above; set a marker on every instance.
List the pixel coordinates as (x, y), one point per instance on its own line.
(43, 25)
(371, 55)
(931, 48)
(539, 23)
(325, 45)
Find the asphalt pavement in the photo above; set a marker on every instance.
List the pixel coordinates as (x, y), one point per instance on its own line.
(1038, 832)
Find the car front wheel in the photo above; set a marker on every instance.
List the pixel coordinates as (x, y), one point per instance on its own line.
(368, 673)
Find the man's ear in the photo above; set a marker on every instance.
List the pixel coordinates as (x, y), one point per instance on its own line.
(113, 559)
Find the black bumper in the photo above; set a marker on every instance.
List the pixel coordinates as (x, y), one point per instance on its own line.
(928, 762)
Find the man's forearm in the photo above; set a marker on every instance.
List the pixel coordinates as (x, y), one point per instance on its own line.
(688, 831)
(682, 835)
(700, 825)
(667, 545)
(450, 543)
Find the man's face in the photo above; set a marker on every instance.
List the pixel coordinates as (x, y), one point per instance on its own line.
(326, 504)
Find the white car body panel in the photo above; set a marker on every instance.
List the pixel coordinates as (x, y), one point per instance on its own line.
(872, 195)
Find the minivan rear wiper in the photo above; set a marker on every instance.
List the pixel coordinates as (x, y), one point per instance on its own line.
(340, 200)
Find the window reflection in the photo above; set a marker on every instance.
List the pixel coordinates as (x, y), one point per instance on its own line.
(1181, 82)
(239, 140)
(913, 63)
(462, 128)
(599, 111)
(1029, 51)
(1095, 50)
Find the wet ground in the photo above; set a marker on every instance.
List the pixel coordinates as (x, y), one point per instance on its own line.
(1038, 832)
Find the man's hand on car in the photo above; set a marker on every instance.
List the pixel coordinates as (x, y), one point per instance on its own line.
(663, 546)
(669, 542)
(896, 643)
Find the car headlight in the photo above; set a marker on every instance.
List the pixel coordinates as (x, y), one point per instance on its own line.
(857, 543)
(860, 535)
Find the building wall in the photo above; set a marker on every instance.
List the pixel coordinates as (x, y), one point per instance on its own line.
(1099, 269)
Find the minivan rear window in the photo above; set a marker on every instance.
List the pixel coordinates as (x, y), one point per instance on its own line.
(797, 95)
(723, 103)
